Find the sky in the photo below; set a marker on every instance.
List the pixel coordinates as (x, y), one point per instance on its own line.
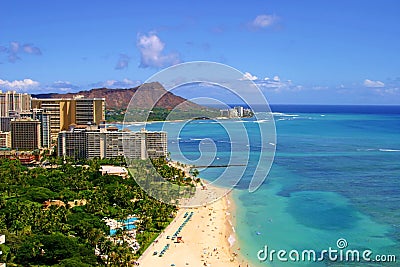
(297, 52)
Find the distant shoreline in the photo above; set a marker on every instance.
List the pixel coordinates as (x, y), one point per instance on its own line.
(182, 120)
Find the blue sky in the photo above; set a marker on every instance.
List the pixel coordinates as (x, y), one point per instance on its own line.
(308, 52)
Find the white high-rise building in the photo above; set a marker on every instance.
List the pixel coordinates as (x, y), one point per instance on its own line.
(91, 142)
(239, 110)
(13, 102)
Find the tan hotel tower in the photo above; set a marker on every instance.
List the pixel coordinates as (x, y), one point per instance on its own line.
(69, 111)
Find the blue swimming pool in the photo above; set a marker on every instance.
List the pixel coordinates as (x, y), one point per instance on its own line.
(129, 224)
(130, 220)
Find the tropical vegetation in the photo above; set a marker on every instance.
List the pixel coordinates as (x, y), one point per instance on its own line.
(158, 114)
(43, 232)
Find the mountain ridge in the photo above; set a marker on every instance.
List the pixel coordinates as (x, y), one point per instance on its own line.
(119, 98)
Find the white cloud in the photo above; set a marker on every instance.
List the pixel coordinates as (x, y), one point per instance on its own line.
(274, 84)
(249, 76)
(15, 49)
(18, 84)
(66, 86)
(278, 85)
(387, 91)
(30, 49)
(63, 86)
(206, 84)
(319, 88)
(125, 83)
(374, 84)
(263, 21)
(123, 62)
(109, 83)
(152, 52)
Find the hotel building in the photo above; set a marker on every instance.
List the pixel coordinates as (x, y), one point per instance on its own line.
(239, 110)
(44, 118)
(25, 134)
(11, 101)
(5, 139)
(91, 142)
(69, 111)
(5, 123)
(155, 144)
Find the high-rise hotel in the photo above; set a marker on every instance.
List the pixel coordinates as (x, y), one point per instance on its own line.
(94, 142)
(76, 124)
(11, 101)
(50, 115)
(71, 111)
(25, 134)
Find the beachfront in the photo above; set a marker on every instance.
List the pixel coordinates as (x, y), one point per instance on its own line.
(204, 241)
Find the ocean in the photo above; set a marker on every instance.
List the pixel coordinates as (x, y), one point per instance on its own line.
(335, 177)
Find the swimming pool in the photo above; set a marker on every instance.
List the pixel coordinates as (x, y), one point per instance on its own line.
(129, 224)
(130, 220)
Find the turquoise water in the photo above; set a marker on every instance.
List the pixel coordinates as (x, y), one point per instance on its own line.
(131, 220)
(334, 176)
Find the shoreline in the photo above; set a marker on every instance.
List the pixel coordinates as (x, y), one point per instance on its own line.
(206, 238)
(180, 120)
(207, 231)
(241, 259)
(140, 122)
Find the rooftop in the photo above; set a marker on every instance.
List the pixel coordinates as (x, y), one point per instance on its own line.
(114, 170)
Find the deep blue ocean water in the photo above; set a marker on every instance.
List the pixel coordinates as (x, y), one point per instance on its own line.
(336, 174)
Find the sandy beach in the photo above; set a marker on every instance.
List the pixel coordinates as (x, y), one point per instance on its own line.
(205, 238)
